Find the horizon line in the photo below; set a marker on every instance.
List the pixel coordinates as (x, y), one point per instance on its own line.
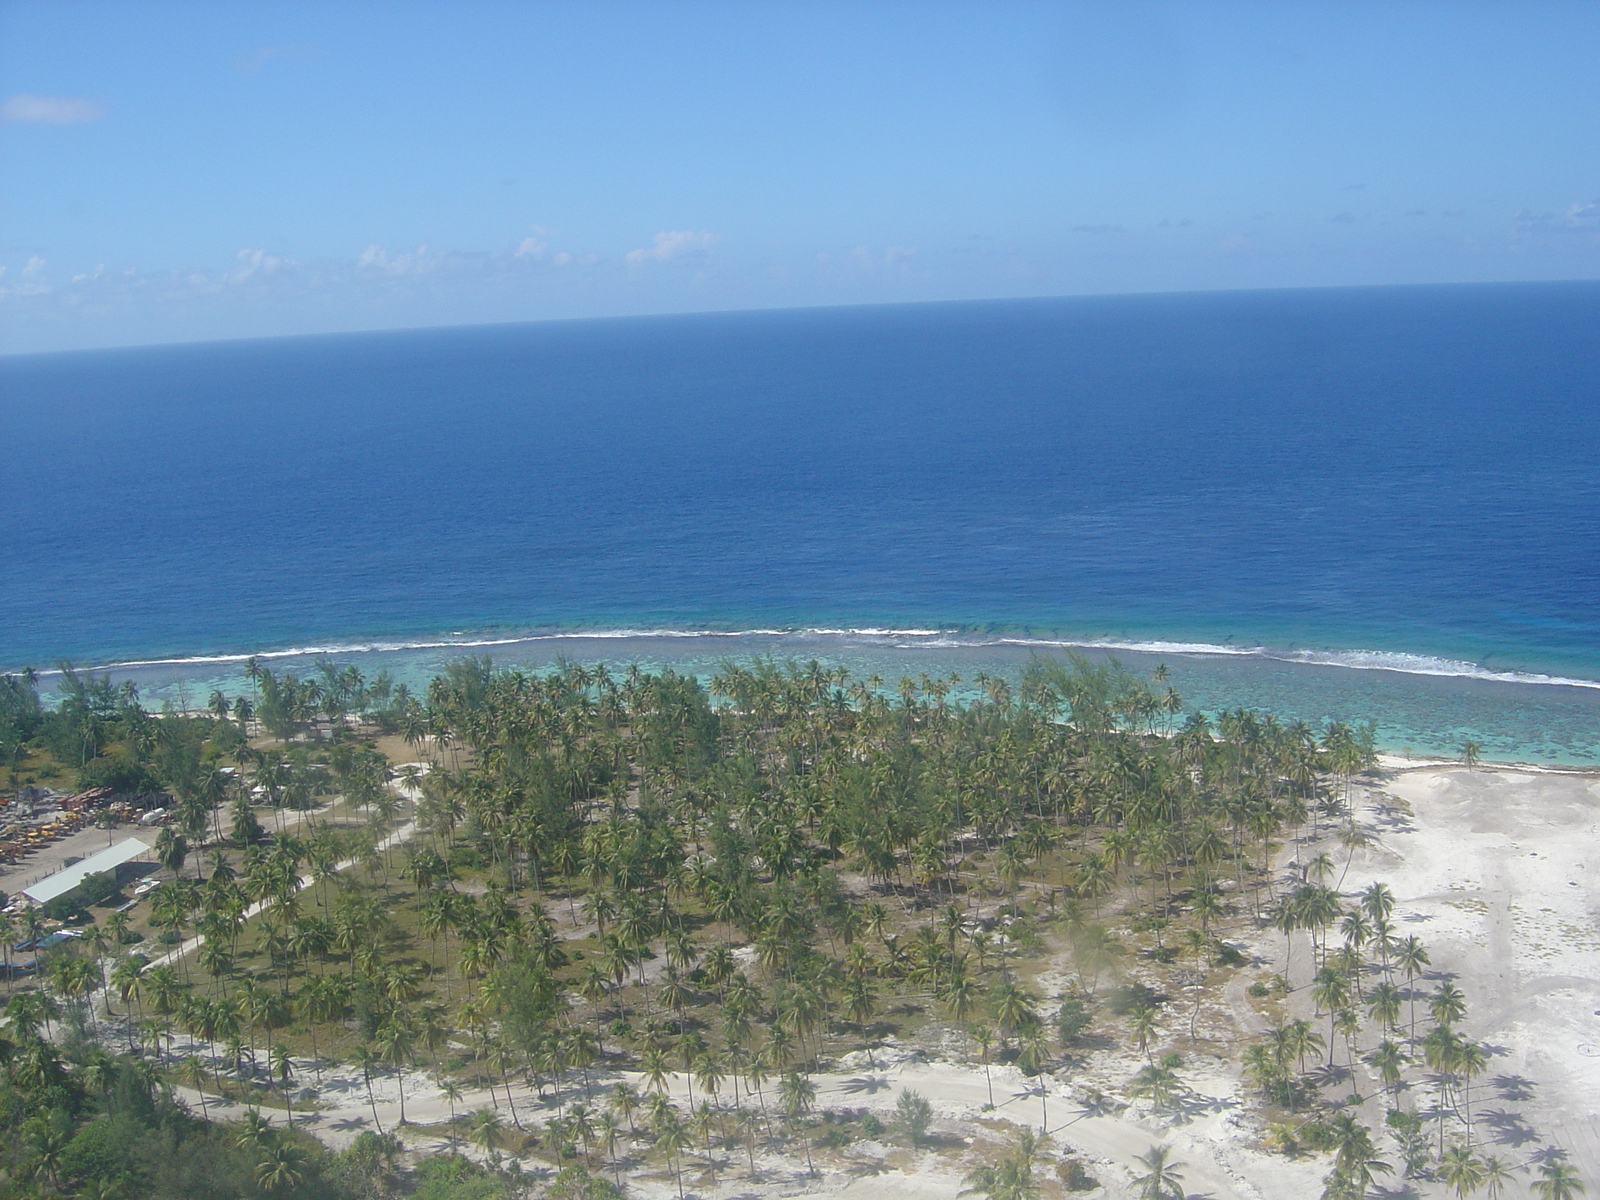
(756, 310)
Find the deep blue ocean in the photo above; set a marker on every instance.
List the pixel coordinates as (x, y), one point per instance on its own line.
(1362, 503)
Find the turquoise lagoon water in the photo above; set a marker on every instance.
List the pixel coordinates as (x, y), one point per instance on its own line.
(1344, 504)
(1419, 714)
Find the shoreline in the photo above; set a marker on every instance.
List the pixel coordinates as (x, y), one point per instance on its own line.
(1403, 762)
(1398, 662)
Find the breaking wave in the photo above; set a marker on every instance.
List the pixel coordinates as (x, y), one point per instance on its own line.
(812, 638)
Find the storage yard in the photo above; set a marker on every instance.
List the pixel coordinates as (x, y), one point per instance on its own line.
(47, 834)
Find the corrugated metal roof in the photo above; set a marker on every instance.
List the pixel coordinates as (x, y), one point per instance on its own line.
(62, 882)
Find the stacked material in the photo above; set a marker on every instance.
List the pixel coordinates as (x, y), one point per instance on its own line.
(20, 839)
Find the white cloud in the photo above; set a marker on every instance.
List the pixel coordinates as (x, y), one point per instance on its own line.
(257, 262)
(418, 262)
(1584, 215)
(30, 280)
(676, 243)
(54, 306)
(1578, 225)
(27, 109)
(530, 247)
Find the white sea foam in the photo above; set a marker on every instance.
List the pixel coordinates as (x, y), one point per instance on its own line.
(873, 632)
(1356, 660)
(908, 639)
(1423, 664)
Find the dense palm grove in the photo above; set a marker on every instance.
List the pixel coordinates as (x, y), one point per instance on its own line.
(717, 893)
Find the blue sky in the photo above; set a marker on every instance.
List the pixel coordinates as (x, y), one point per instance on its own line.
(185, 171)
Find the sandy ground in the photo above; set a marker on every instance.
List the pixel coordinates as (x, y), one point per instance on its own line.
(1496, 872)
(1211, 1138)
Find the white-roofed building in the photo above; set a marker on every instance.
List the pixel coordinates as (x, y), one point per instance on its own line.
(63, 881)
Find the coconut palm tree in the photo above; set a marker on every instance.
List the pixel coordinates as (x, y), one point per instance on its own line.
(1389, 1060)
(487, 1132)
(1447, 1005)
(397, 1048)
(192, 1074)
(672, 1139)
(797, 1094)
(1355, 1156)
(1558, 1181)
(368, 1060)
(1496, 1174)
(1461, 1170)
(1012, 1178)
(1163, 1179)
(1331, 991)
(984, 1036)
(1383, 1005)
(654, 1066)
(1411, 957)
(1470, 1061)
(624, 1102)
(708, 1073)
(282, 1167)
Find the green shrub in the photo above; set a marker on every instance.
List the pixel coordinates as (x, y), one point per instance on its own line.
(912, 1115)
(97, 888)
(120, 773)
(1073, 1018)
(456, 1177)
(64, 908)
(1134, 996)
(101, 1149)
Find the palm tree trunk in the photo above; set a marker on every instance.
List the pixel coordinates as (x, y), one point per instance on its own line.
(372, 1101)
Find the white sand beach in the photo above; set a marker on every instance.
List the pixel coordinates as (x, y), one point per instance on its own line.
(1494, 869)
